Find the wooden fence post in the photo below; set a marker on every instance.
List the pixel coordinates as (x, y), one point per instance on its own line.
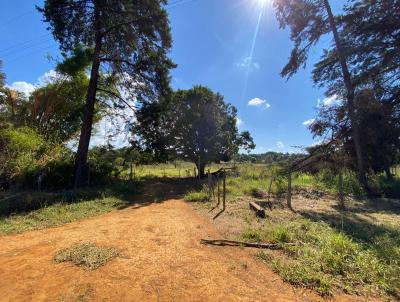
(209, 185)
(131, 172)
(218, 181)
(289, 191)
(224, 185)
(341, 195)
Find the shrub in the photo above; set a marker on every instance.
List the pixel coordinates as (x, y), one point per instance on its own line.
(20, 151)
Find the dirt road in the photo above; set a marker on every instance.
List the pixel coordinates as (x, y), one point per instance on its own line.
(161, 259)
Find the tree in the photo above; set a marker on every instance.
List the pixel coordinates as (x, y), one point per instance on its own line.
(371, 39)
(13, 107)
(2, 76)
(380, 140)
(195, 125)
(56, 109)
(129, 39)
(309, 20)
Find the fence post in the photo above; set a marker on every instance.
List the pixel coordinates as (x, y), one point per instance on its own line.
(341, 195)
(289, 191)
(131, 172)
(209, 185)
(224, 185)
(218, 181)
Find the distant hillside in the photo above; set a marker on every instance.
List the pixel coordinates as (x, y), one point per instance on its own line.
(268, 157)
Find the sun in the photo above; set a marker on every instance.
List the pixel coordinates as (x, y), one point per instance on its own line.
(262, 3)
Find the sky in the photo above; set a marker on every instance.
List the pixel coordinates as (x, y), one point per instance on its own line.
(234, 47)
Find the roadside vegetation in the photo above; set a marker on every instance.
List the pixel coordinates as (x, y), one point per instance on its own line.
(25, 211)
(115, 59)
(321, 246)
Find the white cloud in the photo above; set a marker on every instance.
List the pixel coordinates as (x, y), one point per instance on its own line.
(22, 86)
(330, 101)
(248, 63)
(47, 77)
(27, 88)
(309, 122)
(239, 122)
(258, 102)
(280, 144)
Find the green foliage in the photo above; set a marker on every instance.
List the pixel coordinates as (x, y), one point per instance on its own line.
(2, 76)
(102, 165)
(195, 196)
(268, 158)
(87, 254)
(28, 201)
(21, 149)
(320, 257)
(56, 109)
(194, 125)
(53, 209)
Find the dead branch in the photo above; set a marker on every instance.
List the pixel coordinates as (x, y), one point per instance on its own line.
(223, 242)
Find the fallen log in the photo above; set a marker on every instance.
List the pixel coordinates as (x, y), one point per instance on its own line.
(223, 242)
(260, 212)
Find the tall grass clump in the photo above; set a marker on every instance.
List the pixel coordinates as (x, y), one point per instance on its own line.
(321, 257)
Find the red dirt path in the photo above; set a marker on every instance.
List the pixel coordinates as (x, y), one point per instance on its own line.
(161, 260)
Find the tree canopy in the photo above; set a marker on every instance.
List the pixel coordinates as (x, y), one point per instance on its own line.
(195, 125)
(128, 39)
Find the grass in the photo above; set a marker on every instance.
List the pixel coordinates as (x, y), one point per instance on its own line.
(195, 196)
(57, 214)
(318, 256)
(87, 254)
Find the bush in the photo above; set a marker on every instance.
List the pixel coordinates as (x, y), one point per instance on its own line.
(20, 153)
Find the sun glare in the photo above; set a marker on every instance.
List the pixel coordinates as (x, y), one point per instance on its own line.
(262, 2)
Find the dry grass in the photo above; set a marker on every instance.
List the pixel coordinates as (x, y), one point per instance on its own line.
(87, 254)
(355, 251)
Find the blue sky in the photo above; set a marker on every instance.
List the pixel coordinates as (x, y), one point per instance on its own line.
(212, 45)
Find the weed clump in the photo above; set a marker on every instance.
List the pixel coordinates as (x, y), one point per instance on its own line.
(196, 196)
(87, 254)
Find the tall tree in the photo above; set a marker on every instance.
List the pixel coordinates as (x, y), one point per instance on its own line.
(308, 21)
(195, 125)
(2, 76)
(129, 39)
(371, 39)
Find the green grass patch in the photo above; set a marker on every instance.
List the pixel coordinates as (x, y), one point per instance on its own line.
(57, 214)
(196, 196)
(320, 257)
(87, 254)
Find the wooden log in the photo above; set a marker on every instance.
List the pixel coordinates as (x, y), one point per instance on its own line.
(260, 212)
(223, 242)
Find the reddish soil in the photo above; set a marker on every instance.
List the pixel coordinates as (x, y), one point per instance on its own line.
(161, 259)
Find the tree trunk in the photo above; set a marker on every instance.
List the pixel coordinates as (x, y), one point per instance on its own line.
(389, 174)
(350, 98)
(201, 167)
(81, 167)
